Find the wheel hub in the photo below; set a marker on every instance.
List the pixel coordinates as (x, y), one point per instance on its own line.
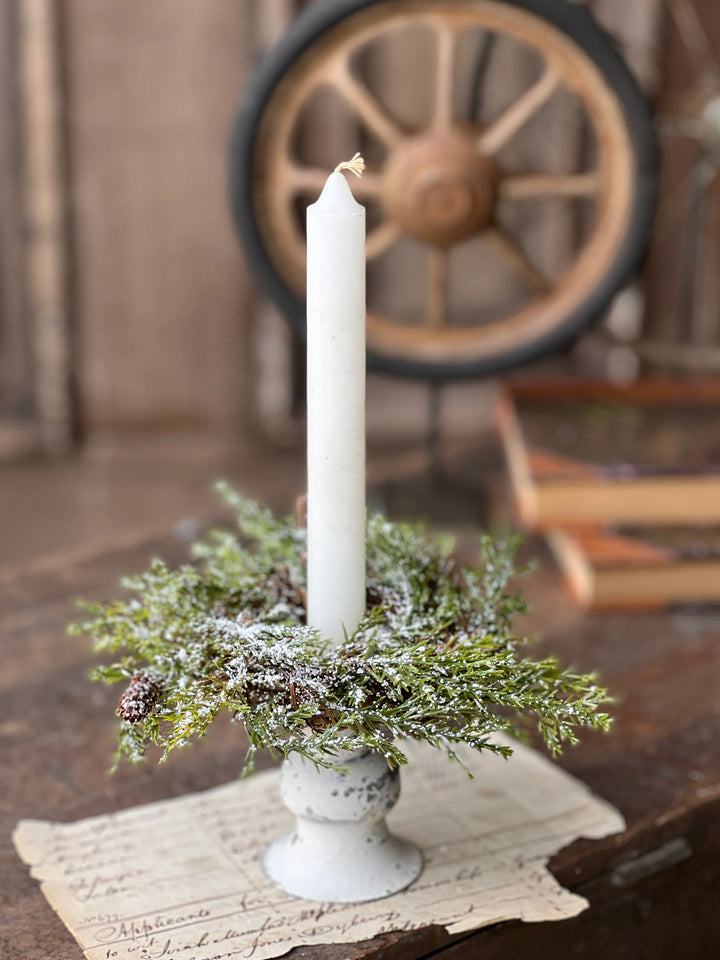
(438, 189)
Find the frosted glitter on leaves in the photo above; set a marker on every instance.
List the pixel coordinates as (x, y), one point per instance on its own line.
(435, 657)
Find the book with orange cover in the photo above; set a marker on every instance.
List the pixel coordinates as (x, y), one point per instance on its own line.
(630, 569)
(582, 454)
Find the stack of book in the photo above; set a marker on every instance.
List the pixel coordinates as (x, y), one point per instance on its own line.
(625, 485)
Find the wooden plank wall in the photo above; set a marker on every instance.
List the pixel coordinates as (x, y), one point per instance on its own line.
(46, 237)
(683, 322)
(18, 434)
(35, 340)
(162, 300)
(15, 377)
(161, 289)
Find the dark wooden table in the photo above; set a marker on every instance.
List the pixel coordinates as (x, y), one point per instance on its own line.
(654, 890)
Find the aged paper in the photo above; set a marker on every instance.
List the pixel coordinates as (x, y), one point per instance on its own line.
(181, 880)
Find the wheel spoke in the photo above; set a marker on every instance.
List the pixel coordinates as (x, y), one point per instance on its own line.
(503, 128)
(512, 253)
(437, 287)
(310, 180)
(368, 107)
(531, 186)
(381, 239)
(445, 80)
(294, 179)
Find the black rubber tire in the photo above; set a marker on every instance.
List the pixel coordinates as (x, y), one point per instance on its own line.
(585, 33)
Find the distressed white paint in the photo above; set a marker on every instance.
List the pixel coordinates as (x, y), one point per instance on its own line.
(341, 850)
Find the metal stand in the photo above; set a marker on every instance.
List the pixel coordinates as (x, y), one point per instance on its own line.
(435, 494)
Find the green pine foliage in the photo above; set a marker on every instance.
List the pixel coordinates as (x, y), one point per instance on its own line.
(435, 657)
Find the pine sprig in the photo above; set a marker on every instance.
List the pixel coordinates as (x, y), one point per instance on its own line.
(435, 658)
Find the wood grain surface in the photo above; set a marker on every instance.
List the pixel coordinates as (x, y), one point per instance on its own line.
(653, 890)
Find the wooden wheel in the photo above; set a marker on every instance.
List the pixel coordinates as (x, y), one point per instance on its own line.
(461, 279)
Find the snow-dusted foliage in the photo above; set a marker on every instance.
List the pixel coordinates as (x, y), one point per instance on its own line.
(435, 657)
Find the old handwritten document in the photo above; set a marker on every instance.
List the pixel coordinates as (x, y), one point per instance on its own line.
(181, 879)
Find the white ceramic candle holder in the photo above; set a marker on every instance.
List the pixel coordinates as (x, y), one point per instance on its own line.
(341, 850)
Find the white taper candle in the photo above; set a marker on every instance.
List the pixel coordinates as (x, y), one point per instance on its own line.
(336, 410)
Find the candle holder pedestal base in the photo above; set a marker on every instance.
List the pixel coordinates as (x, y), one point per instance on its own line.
(341, 850)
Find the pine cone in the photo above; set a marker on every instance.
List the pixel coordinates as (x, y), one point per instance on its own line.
(142, 694)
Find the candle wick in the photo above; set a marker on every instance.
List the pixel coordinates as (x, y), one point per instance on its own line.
(356, 165)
